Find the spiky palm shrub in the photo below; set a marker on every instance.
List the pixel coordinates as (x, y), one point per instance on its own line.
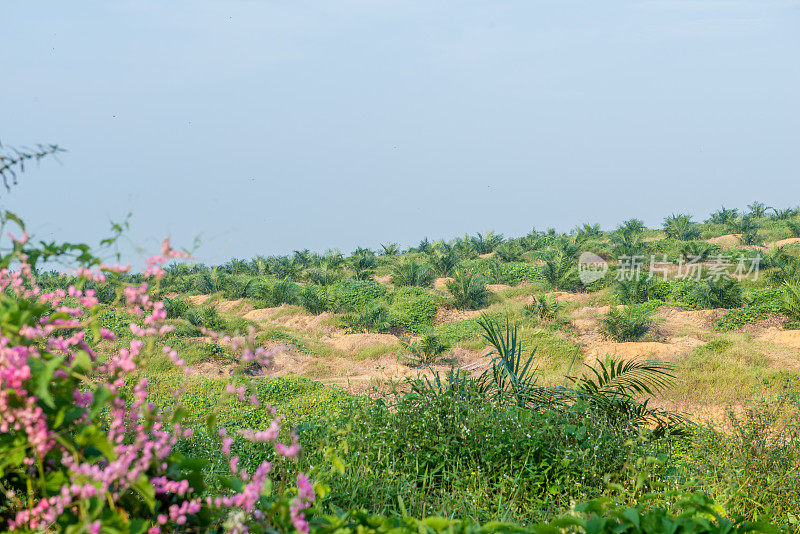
(426, 351)
(325, 275)
(443, 261)
(628, 324)
(332, 259)
(680, 226)
(587, 231)
(411, 272)
(633, 225)
(236, 266)
(697, 250)
(175, 308)
(781, 265)
(560, 271)
(284, 267)
(634, 291)
(375, 316)
(794, 228)
(613, 385)
(238, 289)
(209, 282)
(424, 246)
(791, 300)
(628, 242)
(304, 258)
(363, 262)
(464, 247)
(722, 293)
(748, 227)
(513, 378)
(567, 246)
(390, 249)
(313, 298)
(485, 244)
(468, 290)
(544, 308)
(533, 240)
(283, 292)
(757, 210)
(782, 215)
(724, 216)
(509, 251)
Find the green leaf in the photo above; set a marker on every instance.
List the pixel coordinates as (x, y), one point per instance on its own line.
(146, 490)
(42, 374)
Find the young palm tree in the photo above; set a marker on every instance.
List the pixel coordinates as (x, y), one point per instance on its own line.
(560, 271)
(724, 216)
(443, 260)
(468, 290)
(426, 351)
(680, 226)
(794, 228)
(791, 300)
(509, 251)
(757, 209)
(748, 227)
(484, 244)
(363, 263)
(390, 249)
(410, 272)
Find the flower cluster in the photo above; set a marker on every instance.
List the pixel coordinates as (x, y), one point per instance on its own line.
(81, 441)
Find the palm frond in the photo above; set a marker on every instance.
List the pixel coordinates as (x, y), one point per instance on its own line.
(626, 378)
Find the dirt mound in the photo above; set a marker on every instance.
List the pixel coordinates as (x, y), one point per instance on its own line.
(474, 361)
(263, 314)
(197, 300)
(441, 283)
(784, 242)
(677, 321)
(307, 322)
(385, 280)
(487, 255)
(297, 319)
(591, 311)
(787, 338)
(727, 240)
(565, 296)
(353, 342)
(495, 288)
(237, 306)
(211, 369)
(451, 315)
(287, 362)
(672, 350)
(773, 322)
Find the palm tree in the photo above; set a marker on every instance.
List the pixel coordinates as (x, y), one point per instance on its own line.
(680, 226)
(468, 290)
(410, 272)
(390, 249)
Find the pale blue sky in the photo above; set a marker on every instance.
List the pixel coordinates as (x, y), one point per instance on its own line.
(267, 126)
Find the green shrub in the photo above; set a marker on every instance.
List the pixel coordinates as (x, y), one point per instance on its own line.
(543, 308)
(426, 351)
(411, 272)
(629, 324)
(468, 290)
(681, 227)
(413, 308)
(375, 316)
(352, 295)
(314, 298)
(722, 293)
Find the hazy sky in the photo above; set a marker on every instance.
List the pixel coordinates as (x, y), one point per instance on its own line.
(267, 126)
